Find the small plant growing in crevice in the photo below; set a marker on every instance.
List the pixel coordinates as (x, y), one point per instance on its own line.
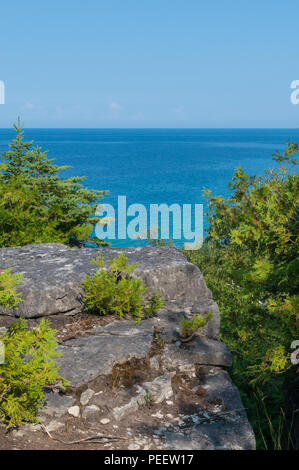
(148, 399)
(158, 340)
(115, 291)
(190, 327)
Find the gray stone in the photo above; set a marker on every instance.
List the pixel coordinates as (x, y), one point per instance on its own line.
(199, 351)
(105, 421)
(219, 387)
(177, 441)
(121, 341)
(125, 328)
(32, 427)
(90, 411)
(18, 433)
(154, 363)
(55, 425)
(160, 431)
(57, 404)
(86, 396)
(120, 411)
(52, 285)
(158, 415)
(133, 405)
(86, 358)
(74, 411)
(53, 274)
(160, 389)
(221, 426)
(212, 436)
(133, 446)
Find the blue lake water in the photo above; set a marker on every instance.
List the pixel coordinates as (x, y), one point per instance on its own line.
(154, 166)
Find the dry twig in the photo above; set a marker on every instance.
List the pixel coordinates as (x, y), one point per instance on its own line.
(90, 438)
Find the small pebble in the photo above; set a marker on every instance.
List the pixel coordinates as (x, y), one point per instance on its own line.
(74, 411)
(54, 425)
(133, 446)
(158, 415)
(86, 396)
(105, 421)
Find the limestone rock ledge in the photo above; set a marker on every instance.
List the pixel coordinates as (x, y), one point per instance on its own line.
(53, 274)
(140, 380)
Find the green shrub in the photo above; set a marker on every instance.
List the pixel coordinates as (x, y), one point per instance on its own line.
(37, 205)
(9, 297)
(115, 291)
(29, 366)
(250, 262)
(189, 327)
(29, 360)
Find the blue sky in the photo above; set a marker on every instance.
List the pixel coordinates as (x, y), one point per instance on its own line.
(149, 63)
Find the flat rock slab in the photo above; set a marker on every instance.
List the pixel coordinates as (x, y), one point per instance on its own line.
(200, 351)
(53, 274)
(221, 435)
(57, 404)
(52, 285)
(86, 358)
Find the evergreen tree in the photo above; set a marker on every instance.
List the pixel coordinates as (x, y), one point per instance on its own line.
(37, 205)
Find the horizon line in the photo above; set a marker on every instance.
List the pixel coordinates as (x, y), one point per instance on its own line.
(154, 128)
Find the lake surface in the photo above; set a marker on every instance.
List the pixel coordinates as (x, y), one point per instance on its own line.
(154, 166)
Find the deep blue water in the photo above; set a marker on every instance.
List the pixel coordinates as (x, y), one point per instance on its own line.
(158, 165)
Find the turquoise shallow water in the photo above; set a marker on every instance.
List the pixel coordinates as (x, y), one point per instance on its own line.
(154, 166)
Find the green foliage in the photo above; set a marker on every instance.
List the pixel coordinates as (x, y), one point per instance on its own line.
(153, 238)
(250, 262)
(29, 366)
(116, 291)
(197, 322)
(29, 357)
(36, 204)
(9, 297)
(149, 399)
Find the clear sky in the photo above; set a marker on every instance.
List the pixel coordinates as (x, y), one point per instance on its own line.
(149, 63)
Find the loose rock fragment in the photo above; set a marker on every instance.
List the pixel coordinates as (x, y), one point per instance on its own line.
(105, 421)
(86, 396)
(74, 411)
